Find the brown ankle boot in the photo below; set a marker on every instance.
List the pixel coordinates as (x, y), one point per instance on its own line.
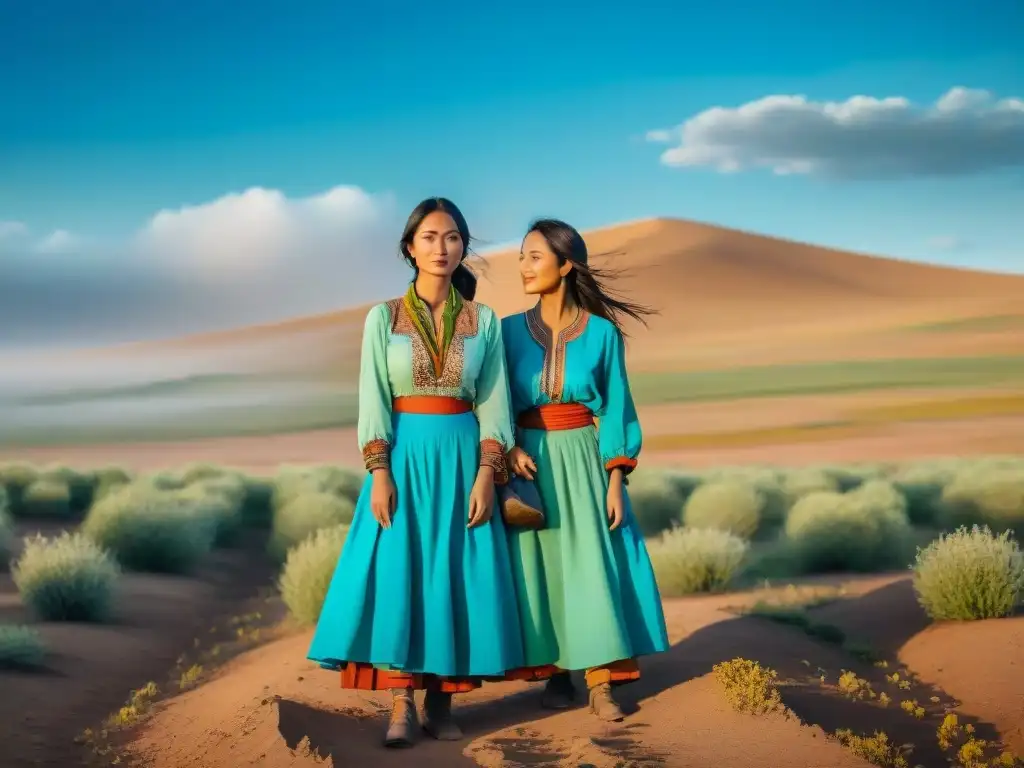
(437, 716)
(559, 692)
(402, 725)
(603, 704)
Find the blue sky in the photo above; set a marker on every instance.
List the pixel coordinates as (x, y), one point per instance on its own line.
(120, 109)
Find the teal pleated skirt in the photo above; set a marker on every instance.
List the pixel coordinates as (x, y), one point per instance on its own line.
(587, 596)
(429, 595)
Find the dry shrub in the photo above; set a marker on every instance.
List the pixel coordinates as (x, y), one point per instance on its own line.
(21, 647)
(15, 477)
(308, 570)
(47, 498)
(970, 574)
(303, 516)
(863, 530)
(148, 529)
(725, 505)
(656, 499)
(689, 560)
(986, 494)
(749, 687)
(66, 578)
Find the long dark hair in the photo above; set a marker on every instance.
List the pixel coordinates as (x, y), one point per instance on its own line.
(587, 284)
(463, 278)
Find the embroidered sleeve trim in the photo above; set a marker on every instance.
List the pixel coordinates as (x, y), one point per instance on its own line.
(627, 465)
(492, 454)
(377, 455)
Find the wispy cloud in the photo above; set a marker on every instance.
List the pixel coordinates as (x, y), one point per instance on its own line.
(946, 243)
(966, 131)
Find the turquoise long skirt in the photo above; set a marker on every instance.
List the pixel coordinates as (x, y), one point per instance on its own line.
(429, 595)
(587, 595)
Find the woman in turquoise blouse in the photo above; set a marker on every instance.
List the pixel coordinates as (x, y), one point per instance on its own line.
(419, 598)
(586, 590)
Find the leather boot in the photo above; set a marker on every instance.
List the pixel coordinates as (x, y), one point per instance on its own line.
(603, 704)
(437, 716)
(559, 693)
(402, 725)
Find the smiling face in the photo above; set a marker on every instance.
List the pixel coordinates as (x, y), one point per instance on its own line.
(437, 246)
(539, 266)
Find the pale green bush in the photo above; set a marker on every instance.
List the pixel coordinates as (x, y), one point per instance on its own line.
(970, 574)
(21, 647)
(726, 505)
(6, 531)
(688, 560)
(67, 578)
(47, 498)
(768, 483)
(15, 477)
(863, 530)
(80, 485)
(656, 500)
(308, 570)
(797, 483)
(986, 495)
(292, 482)
(152, 530)
(303, 516)
(922, 485)
(220, 498)
(108, 479)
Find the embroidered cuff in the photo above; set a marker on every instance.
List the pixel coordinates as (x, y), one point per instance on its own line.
(377, 455)
(492, 454)
(627, 465)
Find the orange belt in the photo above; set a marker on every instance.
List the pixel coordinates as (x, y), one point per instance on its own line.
(556, 416)
(433, 405)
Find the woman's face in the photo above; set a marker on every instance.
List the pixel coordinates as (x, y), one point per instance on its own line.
(437, 246)
(539, 267)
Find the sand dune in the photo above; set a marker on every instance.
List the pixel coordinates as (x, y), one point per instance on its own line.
(708, 282)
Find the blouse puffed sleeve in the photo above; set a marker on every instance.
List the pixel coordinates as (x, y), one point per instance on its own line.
(374, 422)
(619, 434)
(493, 399)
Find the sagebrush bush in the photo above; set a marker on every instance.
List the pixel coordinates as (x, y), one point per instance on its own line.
(656, 500)
(970, 574)
(152, 530)
(726, 505)
(863, 530)
(21, 647)
(797, 483)
(768, 483)
(47, 498)
(922, 485)
(80, 485)
(749, 687)
(66, 578)
(303, 516)
(688, 560)
(308, 570)
(986, 495)
(15, 477)
(108, 479)
(6, 531)
(220, 499)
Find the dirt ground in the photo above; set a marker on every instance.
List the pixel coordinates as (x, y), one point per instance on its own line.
(160, 626)
(271, 707)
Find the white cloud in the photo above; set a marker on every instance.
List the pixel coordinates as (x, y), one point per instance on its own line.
(964, 132)
(12, 229)
(261, 232)
(946, 243)
(247, 257)
(58, 241)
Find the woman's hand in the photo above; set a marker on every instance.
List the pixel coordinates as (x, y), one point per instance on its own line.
(616, 503)
(481, 498)
(520, 463)
(382, 497)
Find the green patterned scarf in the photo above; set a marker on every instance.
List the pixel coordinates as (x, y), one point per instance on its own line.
(423, 319)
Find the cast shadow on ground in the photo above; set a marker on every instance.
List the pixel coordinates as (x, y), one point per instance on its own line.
(888, 615)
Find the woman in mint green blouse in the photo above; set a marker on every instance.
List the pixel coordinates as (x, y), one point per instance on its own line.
(420, 595)
(587, 596)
